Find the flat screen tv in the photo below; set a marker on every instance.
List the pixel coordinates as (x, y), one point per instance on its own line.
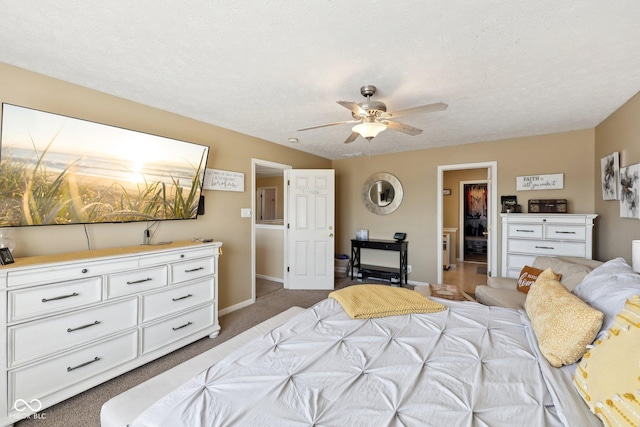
(61, 170)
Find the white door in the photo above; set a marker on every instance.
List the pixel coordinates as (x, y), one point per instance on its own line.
(310, 228)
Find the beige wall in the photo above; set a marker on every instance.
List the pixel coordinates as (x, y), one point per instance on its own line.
(229, 151)
(570, 153)
(270, 252)
(619, 132)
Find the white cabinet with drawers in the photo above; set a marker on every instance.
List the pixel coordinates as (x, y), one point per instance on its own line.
(72, 321)
(525, 236)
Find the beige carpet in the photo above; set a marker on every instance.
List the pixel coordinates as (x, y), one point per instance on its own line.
(83, 410)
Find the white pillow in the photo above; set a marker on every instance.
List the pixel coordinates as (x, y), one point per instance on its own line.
(607, 288)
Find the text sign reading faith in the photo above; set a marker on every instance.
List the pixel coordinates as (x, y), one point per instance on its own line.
(540, 182)
(215, 179)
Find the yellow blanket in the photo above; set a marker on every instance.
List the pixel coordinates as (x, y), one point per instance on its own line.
(370, 301)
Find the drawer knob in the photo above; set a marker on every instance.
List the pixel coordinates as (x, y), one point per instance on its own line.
(545, 247)
(97, 322)
(75, 294)
(524, 231)
(183, 326)
(95, 359)
(181, 255)
(84, 270)
(148, 279)
(194, 269)
(184, 297)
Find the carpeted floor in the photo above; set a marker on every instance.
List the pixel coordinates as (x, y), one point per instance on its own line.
(83, 410)
(265, 287)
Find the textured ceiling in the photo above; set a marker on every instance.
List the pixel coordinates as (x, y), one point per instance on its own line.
(267, 68)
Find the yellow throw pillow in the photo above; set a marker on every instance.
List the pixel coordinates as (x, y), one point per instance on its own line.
(608, 376)
(528, 276)
(564, 324)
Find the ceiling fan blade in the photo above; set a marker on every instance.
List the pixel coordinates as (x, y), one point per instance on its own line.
(329, 124)
(356, 109)
(428, 108)
(409, 130)
(352, 137)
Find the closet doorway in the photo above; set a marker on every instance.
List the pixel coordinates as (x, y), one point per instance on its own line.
(473, 221)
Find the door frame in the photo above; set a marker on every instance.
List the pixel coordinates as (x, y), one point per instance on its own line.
(492, 197)
(255, 163)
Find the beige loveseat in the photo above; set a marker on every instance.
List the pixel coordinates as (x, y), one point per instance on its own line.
(502, 291)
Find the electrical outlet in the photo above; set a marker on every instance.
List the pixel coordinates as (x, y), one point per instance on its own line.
(408, 269)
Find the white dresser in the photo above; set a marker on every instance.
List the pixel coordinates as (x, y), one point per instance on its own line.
(72, 321)
(525, 236)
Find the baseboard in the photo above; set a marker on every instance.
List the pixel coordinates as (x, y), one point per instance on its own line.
(415, 283)
(235, 307)
(272, 279)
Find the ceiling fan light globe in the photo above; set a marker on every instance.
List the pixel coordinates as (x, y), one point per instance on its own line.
(369, 130)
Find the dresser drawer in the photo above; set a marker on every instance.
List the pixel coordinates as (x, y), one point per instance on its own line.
(533, 231)
(177, 298)
(178, 255)
(61, 273)
(39, 338)
(518, 260)
(131, 282)
(188, 270)
(41, 300)
(167, 331)
(544, 247)
(565, 232)
(39, 380)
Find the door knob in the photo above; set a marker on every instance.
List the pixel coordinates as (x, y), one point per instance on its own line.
(331, 235)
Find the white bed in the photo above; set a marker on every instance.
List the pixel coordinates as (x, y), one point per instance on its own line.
(124, 408)
(470, 365)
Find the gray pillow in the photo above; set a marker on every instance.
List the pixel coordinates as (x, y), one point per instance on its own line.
(607, 288)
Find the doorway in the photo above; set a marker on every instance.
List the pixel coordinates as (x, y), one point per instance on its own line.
(268, 229)
(267, 203)
(473, 221)
(491, 170)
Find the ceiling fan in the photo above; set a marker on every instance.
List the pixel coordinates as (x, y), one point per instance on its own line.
(372, 117)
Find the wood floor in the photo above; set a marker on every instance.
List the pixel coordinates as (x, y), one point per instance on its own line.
(467, 275)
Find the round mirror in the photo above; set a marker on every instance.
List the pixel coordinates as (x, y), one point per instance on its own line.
(382, 193)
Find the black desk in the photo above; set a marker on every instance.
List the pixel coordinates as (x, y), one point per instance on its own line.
(385, 245)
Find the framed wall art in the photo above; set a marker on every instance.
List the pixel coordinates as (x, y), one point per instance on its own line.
(610, 173)
(553, 181)
(215, 179)
(629, 190)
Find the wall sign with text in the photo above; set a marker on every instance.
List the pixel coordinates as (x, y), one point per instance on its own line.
(215, 179)
(540, 182)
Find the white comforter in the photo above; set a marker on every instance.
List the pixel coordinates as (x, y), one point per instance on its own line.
(470, 365)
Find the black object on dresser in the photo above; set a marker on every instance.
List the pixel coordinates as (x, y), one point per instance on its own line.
(395, 275)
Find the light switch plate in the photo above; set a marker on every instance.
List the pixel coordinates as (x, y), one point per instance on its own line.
(245, 213)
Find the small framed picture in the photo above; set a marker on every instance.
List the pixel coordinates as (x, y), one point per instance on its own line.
(5, 256)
